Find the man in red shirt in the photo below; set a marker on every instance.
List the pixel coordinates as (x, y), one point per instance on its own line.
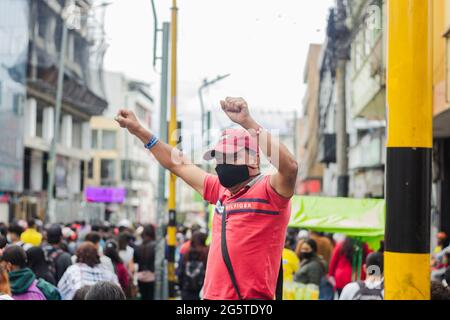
(252, 210)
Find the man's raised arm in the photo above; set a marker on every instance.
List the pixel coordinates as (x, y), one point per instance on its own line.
(170, 158)
(285, 179)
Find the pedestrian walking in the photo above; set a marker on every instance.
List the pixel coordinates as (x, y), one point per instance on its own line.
(111, 251)
(144, 256)
(22, 280)
(373, 287)
(87, 270)
(5, 288)
(59, 260)
(105, 291)
(38, 264)
(31, 235)
(341, 270)
(312, 267)
(252, 210)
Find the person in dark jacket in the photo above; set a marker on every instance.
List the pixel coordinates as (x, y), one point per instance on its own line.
(59, 260)
(39, 265)
(144, 256)
(193, 266)
(312, 267)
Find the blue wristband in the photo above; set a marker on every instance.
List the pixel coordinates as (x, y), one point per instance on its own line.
(152, 143)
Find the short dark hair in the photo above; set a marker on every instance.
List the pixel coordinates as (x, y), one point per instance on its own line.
(3, 242)
(439, 292)
(31, 223)
(93, 237)
(105, 290)
(54, 234)
(80, 294)
(375, 259)
(16, 229)
(15, 255)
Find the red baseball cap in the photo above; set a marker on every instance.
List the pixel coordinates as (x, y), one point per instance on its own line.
(231, 142)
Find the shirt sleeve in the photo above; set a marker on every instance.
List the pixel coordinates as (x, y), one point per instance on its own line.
(349, 291)
(280, 201)
(211, 189)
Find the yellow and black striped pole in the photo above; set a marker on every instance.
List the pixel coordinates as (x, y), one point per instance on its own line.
(172, 227)
(410, 142)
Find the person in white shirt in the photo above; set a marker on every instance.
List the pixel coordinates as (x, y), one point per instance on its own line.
(373, 287)
(87, 271)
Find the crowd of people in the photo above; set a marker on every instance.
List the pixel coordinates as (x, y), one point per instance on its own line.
(329, 263)
(78, 261)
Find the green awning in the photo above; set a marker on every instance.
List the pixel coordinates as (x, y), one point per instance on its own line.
(358, 218)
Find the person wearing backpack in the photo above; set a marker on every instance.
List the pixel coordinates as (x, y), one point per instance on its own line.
(23, 282)
(373, 287)
(193, 266)
(58, 259)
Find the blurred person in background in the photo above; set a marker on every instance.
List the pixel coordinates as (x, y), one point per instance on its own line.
(13, 236)
(439, 291)
(193, 267)
(95, 238)
(22, 280)
(87, 270)
(38, 264)
(111, 251)
(312, 267)
(5, 289)
(442, 242)
(340, 270)
(104, 290)
(144, 256)
(373, 287)
(59, 260)
(3, 243)
(31, 235)
(80, 294)
(291, 264)
(126, 252)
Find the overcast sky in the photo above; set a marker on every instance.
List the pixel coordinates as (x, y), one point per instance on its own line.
(263, 45)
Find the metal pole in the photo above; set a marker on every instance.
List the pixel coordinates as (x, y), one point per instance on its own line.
(51, 165)
(409, 150)
(160, 248)
(343, 55)
(172, 227)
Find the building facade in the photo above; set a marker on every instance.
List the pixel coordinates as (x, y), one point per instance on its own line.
(119, 160)
(441, 111)
(311, 171)
(41, 52)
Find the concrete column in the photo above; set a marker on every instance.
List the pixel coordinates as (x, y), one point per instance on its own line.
(66, 131)
(48, 124)
(30, 117)
(86, 136)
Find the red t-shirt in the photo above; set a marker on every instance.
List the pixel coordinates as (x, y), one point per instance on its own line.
(256, 230)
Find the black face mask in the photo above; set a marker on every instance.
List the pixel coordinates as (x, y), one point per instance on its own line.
(231, 175)
(306, 255)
